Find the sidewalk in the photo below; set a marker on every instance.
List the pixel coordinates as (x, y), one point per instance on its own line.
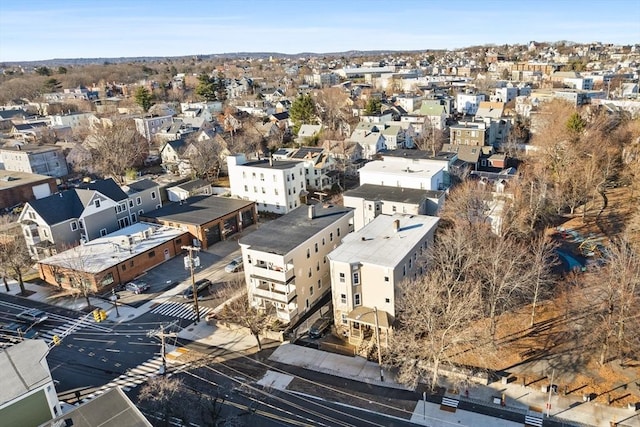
(518, 398)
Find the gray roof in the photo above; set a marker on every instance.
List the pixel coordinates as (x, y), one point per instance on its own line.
(276, 164)
(110, 409)
(141, 185)
(22, 369)
(108, 187)
(392, 194)
(378, 244)
(58, 207)
(193, 184)
(198, 210)
(409, 154)
(289, 231)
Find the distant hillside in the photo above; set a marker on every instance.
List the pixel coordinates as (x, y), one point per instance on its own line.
(230, 55)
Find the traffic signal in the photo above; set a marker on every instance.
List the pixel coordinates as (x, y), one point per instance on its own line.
(56, 340)
(103, 315)
(96, 315)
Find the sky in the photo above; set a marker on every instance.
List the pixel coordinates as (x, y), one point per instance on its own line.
(45, 29)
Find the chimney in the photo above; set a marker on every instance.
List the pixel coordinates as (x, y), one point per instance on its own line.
(311, 210)
(396, 225)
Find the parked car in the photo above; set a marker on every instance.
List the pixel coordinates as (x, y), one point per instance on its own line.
(235, 265)
(16, 332)
(33, 316)
(137, 287)
(201, 285)
(319, 327)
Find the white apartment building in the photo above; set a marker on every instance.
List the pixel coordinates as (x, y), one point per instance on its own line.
(285, 265)
(370, 200)
(150, 126)
(422, 174)
(467, 103)
(367, 268)
(275, 185)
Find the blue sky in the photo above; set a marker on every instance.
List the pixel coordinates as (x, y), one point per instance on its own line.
(46, 29)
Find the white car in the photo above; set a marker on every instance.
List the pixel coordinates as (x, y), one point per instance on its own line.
(33, 316)
(235, 265)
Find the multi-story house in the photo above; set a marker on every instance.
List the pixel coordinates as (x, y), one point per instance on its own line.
(149, 126)
(474, 133)
(320, 167)
(39, 159)
(81, 214)
(275, 185)
(367, 268)
(467, 103)
(286, 270)
(71, 120)
(28, 395)
(370, 200)
(404, 169)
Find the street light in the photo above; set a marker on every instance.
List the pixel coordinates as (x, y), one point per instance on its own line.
(375, 313)
(114, 298)
(192, 260)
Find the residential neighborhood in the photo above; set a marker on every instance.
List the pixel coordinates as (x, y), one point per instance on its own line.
(416, 237)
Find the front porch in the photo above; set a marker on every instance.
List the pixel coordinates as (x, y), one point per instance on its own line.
(362, 324)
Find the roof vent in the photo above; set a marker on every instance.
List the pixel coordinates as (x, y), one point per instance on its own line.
(396, 225)
(311, 211)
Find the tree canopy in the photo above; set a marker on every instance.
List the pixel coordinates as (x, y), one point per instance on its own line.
(143, 97)
(303, 112)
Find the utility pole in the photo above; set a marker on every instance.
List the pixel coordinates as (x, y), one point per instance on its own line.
(191, 261)
(114, 298)
(375, 312)
(162, 336)
(550, 390)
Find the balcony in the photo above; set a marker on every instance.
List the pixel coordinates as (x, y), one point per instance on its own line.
(286, 316)
(277, 293)
(270, 272)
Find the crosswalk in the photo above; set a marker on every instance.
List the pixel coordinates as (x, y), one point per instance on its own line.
(179, 309)
(130, 379)
(71, 326)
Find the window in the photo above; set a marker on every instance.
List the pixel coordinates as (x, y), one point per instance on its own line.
(134, 218)
(310, 272)
(308, 253)
(140, 212)
(404, 270)
(81, 224)
(394, 209)
(130, 203)
(343, 298)
(293, 177)
(318, 266)
(103, 232)
(138, 200)
(32, 215)
(356, 299)
(74, 226)
(316, 248)
(96, 203)
(152, 254)
(386, 278)
(255, 189)
(153, 194)
(323, 241)
(319, 283)
(310, 290)
(356, 278)
(410, 262)
(341, 277)
(331, 237)
(387, 300)
(246, 188)
(343, 316)
(261, 177)
(275, 191)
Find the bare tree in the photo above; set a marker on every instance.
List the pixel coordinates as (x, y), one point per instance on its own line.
(436, 320)
(117, 148)
(240, 311)
(204, 159)
(161, 395)
(542, 261)
(14, 254)
(332, 106)
(74, 266)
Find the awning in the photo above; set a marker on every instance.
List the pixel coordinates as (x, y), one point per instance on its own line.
(366, 316)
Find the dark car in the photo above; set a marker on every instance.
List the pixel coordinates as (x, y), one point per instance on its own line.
(16, 332)
(319, 327)
(201, 285)
(32, 316)
(137, 287)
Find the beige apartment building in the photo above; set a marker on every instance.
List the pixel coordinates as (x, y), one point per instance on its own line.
(367, 268)
(285, 264)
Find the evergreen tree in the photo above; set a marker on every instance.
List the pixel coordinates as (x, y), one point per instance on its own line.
(302, 112)
(221, 87)
(575, 125)
(374, 105)
(206, 88)
(142, 97)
